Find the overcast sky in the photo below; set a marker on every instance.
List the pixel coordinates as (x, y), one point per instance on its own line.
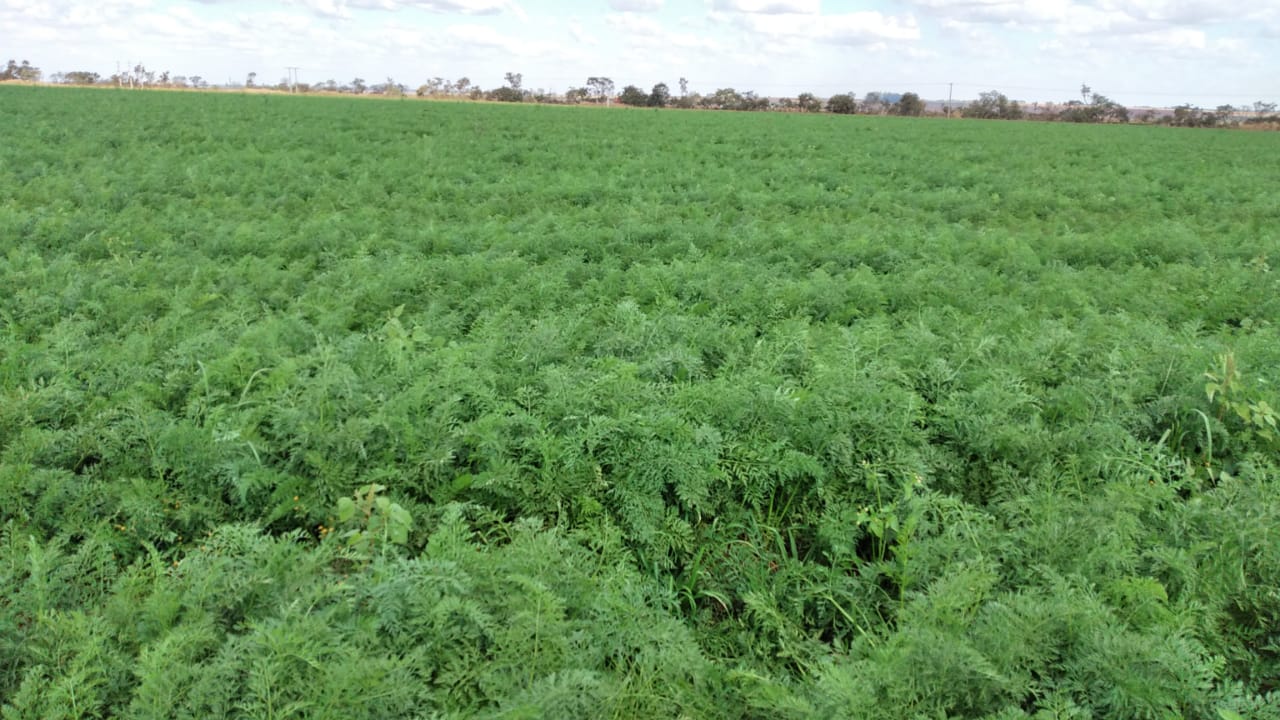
(1157, 52)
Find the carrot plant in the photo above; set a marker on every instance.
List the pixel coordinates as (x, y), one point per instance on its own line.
(316, 407)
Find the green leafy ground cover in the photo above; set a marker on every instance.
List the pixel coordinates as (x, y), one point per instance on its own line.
(331, 408)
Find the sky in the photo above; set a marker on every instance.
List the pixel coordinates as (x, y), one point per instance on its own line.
(1137, 52)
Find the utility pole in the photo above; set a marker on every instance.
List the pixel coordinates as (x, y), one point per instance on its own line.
(293, 78)
(950, 87)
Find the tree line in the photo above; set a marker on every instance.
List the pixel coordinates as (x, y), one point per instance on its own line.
(1091, 107)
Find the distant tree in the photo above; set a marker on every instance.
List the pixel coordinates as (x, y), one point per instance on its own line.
(180, 81)
(141, 76)
(660, 96)
(576, 95)
(1074, 111)
(723, 99)
(506, 94)
(601, 87)
(987, 106)
(433, 87)
(1099, 109)
(1188, 115)
(684, 87)
(81, 77)
(197, 81)
(462, 85)
(391, 88)
(1263, 112)
(1085, 92)
(687, 102)
(749, 101)
(634, 96)
(808, 102)
(909, 104)
(993, 105)
(1109, 110)
(876, 103)
(511, 92)
(250, 79)
(842, 104)
(24, 71)
(357, 86)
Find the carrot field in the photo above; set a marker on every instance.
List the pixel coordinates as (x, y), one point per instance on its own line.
(338, 408)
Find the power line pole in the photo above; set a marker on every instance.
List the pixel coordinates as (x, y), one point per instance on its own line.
(950, 87)
(293, 78)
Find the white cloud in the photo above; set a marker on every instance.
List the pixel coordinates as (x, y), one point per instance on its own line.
(41, 33)
(458, 7)
(326, 8)
(769, 7)
(1170, 39)
(998, 11)
(32, 11)
(1211, 50)
(342, 8)
(1182, 12)
(580, 35)
(632, 25)
(68, 12)
(1079, 17)
(857, 28)
(979, 38)
(485, 36)
(692, 41)
(1164, 46)
(402, 37)
(472, 37)
(636, 5)
(642, 31)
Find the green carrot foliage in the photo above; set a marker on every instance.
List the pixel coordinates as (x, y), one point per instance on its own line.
(318, 407)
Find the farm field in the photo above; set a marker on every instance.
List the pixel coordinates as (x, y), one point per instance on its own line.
(336, 408)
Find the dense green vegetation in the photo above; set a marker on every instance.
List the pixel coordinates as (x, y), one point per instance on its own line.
(339, 408)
